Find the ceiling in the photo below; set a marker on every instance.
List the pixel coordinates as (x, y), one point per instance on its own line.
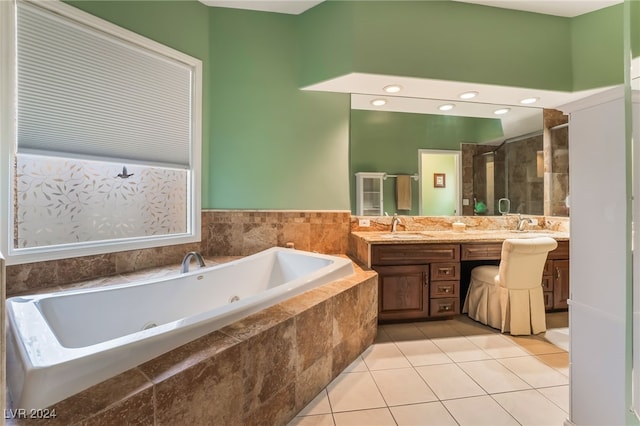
(426, 95)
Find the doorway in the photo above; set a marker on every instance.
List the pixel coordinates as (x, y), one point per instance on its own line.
(439, 184)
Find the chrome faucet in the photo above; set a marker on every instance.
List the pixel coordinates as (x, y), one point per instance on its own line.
(394, 222)
(522, 221)
(187, 260)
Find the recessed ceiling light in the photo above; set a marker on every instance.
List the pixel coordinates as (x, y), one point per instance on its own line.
(501, 111)
(527, 101)
(378, 102)
(392, 88)
(468, 95)
(446, 107)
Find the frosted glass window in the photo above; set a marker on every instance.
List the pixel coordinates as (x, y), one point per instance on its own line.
(65, 201)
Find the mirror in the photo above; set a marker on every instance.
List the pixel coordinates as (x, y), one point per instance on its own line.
(502, 157)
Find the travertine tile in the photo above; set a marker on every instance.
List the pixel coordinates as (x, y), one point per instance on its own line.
(319, 405)
(314, 331)
(193, 396)
(313, 380)
(187, 356)
(135, 410)
(96, 399)
(270, 368)
(278, 409)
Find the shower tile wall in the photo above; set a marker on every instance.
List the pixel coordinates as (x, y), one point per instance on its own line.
(224, 232)
(525, 185)
(556, 166)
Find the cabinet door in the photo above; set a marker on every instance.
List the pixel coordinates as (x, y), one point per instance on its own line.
(560, 284)
(369, 201)
(403, 292)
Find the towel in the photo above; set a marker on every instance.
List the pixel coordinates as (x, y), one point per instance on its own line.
(403, 192)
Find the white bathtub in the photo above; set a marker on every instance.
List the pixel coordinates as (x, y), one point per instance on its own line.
(61, 343)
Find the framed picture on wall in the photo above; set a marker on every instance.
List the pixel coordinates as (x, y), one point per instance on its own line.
(439, 180)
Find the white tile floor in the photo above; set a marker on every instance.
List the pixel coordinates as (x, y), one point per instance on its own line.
(453, 372)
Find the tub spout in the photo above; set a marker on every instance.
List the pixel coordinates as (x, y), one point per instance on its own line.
(187, 260)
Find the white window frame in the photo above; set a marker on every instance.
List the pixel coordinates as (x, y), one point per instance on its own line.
(8, 131)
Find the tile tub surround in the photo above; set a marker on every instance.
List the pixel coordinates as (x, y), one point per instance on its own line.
(262, 369)
(224, 233)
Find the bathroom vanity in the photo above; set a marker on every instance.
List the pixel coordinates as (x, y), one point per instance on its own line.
(424, 274)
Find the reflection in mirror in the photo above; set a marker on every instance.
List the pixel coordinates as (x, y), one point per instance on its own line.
(517, 156)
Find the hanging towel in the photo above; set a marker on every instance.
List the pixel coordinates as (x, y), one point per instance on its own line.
(403, 192)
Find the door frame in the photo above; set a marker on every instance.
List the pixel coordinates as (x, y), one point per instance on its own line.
(457, 158)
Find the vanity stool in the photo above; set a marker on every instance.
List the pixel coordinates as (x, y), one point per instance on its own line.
(510, 297)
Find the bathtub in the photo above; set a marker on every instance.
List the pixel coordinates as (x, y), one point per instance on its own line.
(61, 343)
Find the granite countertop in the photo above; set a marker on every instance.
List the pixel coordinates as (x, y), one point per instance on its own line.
(417, 237)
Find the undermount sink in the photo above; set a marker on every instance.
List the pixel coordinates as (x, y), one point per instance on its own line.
(402, 236)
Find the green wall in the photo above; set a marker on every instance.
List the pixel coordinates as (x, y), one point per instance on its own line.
(269, 145)
(274, 146)
(597, 55)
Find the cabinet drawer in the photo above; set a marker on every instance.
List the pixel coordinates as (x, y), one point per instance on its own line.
(481, 251)
(548, 268)
(444, 307)
(414, 254)
(440, 289)
(561, 252)
(445, 271)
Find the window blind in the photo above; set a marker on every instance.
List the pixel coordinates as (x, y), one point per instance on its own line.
(85, 93)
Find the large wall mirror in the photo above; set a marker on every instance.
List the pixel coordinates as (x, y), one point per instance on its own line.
(465, 158)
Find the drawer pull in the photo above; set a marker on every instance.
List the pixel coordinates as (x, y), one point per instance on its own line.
(444, 289)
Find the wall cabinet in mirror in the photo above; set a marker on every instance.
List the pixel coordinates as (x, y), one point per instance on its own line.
(369, 199)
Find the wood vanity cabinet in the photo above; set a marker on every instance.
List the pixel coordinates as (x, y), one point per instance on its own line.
(555, 278)
(417, 281)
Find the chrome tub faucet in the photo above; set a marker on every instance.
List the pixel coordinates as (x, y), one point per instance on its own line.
(187, 259)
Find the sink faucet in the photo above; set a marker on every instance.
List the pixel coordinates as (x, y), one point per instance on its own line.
(394, 222)
(522, 221)
(187, 260)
